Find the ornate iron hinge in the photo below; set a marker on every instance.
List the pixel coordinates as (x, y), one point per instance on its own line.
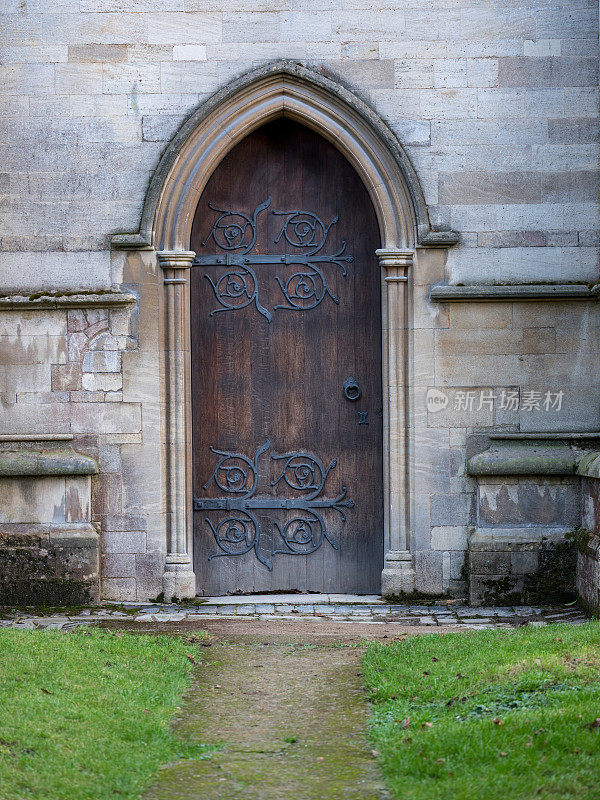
(238, 287)
(240, 531)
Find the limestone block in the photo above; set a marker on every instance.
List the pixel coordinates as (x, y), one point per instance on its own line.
(109, 458)
(188, 76)
(189, 52)
(457, 561)
(78, 78)
(477, 23)
(551, 72)
(469, 316)
(315, 24)
(28, 78)
(449, 537)
(414, 73)
(524, 562)
(428, 572)
(131, 5)
(539, 340)
(431, 461)
(466, 406)
(20, 350)
(490, 563)
(48, 564)
(120, 78)
(570, 187)
(481, 132)
(362, 50)
(450, 73)
(473, 371)
(412, 132)
(123, 542)
(98, 52)
(107, 494)
(25, 378)
(448, 510)
(541, 47)
(102, 381)
(160, 128)
(102, 361)
(360, 25)
(491, 187)
(118, 565)
(62, 271)
(528, 502)
(513, 264)
(77, 500)
(448, 103)
(482, 72)
(573, 131)
(177, 28)
(118, 589)
(49, 499)
(142, 478)
(148, 572)
(424, 357)
(110, 418)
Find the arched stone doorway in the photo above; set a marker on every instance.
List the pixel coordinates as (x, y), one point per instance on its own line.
(291, 91)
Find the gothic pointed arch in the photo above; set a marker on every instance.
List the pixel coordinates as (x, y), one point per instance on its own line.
(284, 89)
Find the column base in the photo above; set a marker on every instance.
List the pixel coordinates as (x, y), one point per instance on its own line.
(398, 576)
(179, 579)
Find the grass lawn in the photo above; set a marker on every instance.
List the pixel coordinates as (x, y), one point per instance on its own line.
(86, 715)
(494, 714)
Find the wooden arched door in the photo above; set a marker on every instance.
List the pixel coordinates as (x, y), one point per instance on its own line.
(286, 371)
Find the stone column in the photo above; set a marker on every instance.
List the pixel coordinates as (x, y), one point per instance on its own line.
(398, 576)
(178, 578)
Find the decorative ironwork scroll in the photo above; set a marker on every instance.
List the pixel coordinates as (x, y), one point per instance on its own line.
(235, 233)
(240, 532)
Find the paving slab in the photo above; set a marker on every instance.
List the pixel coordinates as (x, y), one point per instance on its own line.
(290, 721)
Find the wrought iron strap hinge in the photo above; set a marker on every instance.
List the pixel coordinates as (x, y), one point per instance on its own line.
(240, 531)
(232, 504)
(235, 233)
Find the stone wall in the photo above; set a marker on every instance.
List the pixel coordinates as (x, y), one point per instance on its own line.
(588, 540)
(496, 105)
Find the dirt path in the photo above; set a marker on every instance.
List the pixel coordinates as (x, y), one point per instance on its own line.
(290, 717)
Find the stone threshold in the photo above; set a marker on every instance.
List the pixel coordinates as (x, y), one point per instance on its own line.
(324, 608)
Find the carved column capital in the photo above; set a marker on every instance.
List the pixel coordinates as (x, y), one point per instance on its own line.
(175, 259)
(395, 258)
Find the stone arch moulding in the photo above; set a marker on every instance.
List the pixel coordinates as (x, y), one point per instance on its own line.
(285, 89)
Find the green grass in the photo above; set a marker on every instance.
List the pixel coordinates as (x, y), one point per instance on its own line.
(86, 715)
(489, 715)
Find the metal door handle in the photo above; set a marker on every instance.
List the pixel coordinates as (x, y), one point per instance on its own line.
(352, 390)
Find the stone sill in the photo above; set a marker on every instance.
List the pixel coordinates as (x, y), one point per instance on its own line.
(41, 457)
(535, 453)
(516, 539)
(446, 293)
(36, 300)
(564, 436)
(589, 466)
(63, 534)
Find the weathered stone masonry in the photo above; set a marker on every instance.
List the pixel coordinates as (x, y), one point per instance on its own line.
(495, 105)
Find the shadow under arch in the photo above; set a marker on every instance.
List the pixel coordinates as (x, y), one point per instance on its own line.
(284, 88)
